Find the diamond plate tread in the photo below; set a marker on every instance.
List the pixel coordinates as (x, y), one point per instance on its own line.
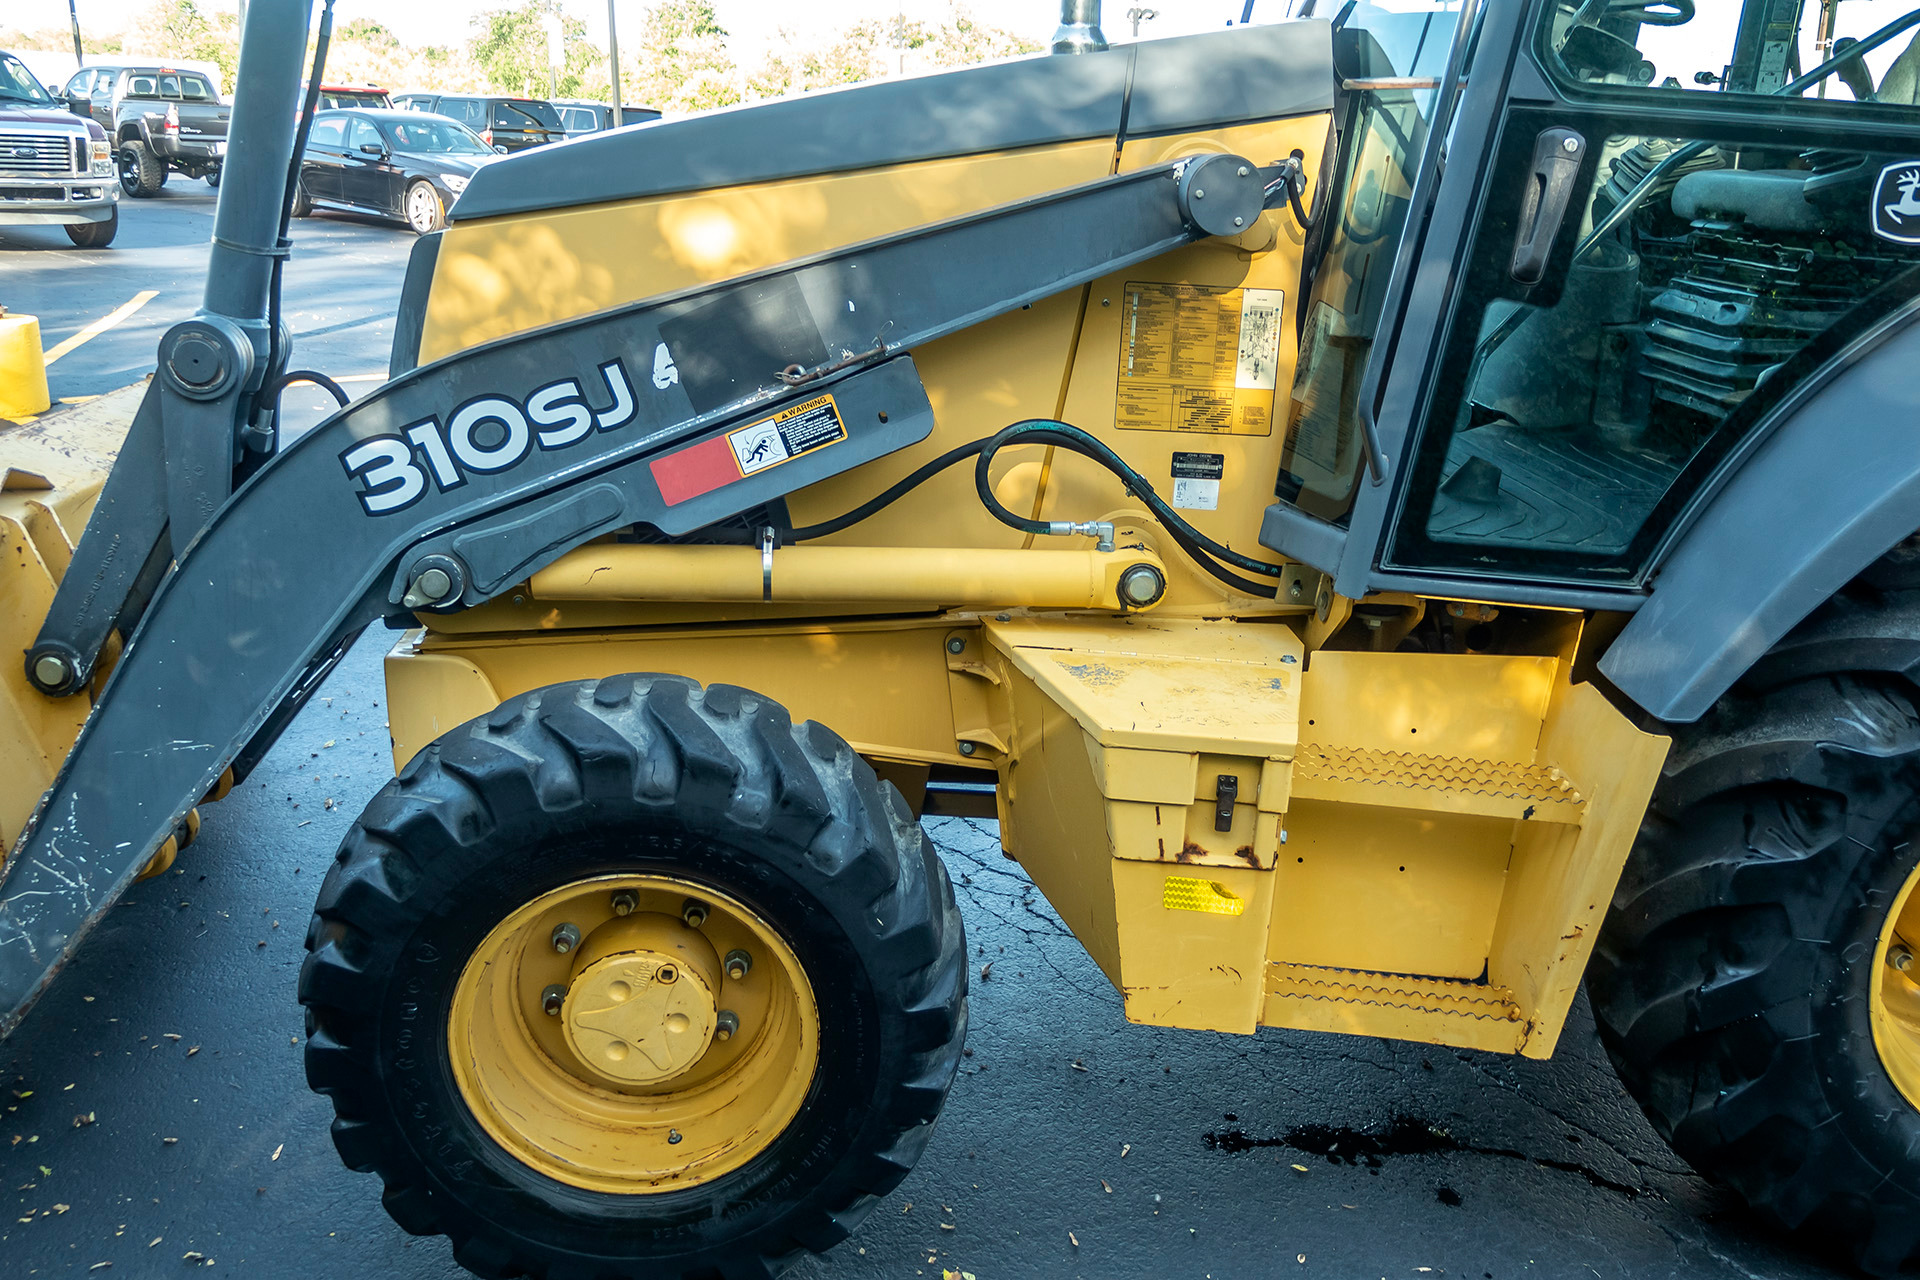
(1441, 996)
(1409, 780)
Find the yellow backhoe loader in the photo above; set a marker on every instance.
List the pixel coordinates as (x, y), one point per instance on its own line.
(1394, 513)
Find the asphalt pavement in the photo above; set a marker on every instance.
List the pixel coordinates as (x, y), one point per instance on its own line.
(156, 1117)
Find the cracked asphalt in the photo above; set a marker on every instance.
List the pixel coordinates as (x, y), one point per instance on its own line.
(154, 1115)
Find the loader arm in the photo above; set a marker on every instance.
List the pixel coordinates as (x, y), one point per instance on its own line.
(453, 482)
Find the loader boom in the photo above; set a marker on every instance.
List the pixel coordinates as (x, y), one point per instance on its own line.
(456, 480)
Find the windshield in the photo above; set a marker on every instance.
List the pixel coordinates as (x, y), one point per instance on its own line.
(18, 83)
(434, 137)
(527, 114)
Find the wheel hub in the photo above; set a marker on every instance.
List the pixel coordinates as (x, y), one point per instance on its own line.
(1896, 992)
(643, 1003)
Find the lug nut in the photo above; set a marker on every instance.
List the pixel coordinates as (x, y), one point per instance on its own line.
(1900, 958)
(625, 902)
(694, 912)
(565, 938)
(968, 748)
(552, 999)
(738, 962)
(673, 1137)
(956, 645)
(726, 1025)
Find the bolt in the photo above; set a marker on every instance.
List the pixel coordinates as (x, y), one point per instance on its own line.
(956, 645)
(1297, 590)
(565, 937)
(1198, 194)
(552, 999)
(625, 902)
(738, 962)
(694, 912)
(50, 670)
(726, 1025)
(1243, 171)
(673, 1137)
(1239, 222)
(968, 748)
(1900, 958)
(1570, 144)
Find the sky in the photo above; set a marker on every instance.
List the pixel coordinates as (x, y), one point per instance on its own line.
(751, 24)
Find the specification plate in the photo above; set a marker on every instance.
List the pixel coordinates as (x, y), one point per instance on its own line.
(1198, 358)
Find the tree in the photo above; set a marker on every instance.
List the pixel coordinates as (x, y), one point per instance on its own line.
(178, 29)
(512, 50)
(681, 62)
(873, 48)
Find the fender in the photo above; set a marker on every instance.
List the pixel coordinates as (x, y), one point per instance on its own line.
(1830, 489)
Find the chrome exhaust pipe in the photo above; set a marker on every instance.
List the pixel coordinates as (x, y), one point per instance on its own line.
(1079, 30)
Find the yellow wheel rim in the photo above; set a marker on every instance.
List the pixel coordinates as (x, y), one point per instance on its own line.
(606, 1042)
(1896, 991)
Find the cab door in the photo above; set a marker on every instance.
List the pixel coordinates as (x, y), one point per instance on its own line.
(1632, 233)
(369, 178)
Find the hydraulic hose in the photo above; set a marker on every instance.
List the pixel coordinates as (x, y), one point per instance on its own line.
(1204, 551)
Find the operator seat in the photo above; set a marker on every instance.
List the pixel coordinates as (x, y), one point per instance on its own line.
(1902, 84)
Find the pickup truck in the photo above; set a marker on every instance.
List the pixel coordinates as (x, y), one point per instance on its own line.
(55, 168)
(162, 119)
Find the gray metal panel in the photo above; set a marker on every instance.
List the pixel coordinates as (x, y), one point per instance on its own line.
(1831, 489)
(411, 318)
(1189, 82)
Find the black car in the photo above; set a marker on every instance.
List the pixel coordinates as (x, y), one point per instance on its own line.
(398, 164)
(510, 123)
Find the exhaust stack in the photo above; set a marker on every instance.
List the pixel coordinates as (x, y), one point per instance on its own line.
(1079, 30)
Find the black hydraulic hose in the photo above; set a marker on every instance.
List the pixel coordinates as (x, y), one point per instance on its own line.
(270, 394)
(891, 496)
(1073, 439)
(284, 243)
(1197, 545)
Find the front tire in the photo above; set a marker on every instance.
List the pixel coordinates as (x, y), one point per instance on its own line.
(95, 235)
(1747, 983)
(425, 211)
(642, 783)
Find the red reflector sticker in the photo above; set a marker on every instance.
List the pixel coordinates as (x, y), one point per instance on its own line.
(702, 468)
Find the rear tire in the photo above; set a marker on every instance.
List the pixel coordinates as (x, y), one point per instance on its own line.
(635, 775)
(95, 235)
(141, 172)
(302, 203)
(213, 177)
(1736, 980)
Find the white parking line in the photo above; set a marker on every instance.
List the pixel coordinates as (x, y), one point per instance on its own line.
(101, 325)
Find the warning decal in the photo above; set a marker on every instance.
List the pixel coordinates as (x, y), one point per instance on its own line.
(1198, 358)
(704, 467)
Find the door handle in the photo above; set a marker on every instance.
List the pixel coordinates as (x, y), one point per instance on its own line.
(1557, 154)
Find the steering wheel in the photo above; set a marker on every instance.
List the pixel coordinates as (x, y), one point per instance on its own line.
(1656, 13)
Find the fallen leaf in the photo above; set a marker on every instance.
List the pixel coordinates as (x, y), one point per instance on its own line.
(326, 744)
(96, 1266)
(45, 1172)
(169, 1141)
(156, 1240)
(905, 1207)
(1300, 1168)
(88, 999)
(986, 971)
(192, 1255)
(195, 1049)
(277, 1150)
(946, 1226)
(1300, 1257)
(168, 1035)
(61, 1208)
(1124, 1148)
(81, 1122)
(65, 1090)
(1074, 1238)
(1079, 1065)
(18, 1093)
(1106, 1186)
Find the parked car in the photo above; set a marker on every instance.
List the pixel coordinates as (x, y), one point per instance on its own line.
(582, 116)
(398, 164)
(333, 96)
(162, 119)
(56, 169)
(511, 123)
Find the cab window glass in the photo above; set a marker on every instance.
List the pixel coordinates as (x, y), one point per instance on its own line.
(143, 87)
(362, 134)
(195, 89)
(170, 86)
(1697, 47)
(327, 133)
